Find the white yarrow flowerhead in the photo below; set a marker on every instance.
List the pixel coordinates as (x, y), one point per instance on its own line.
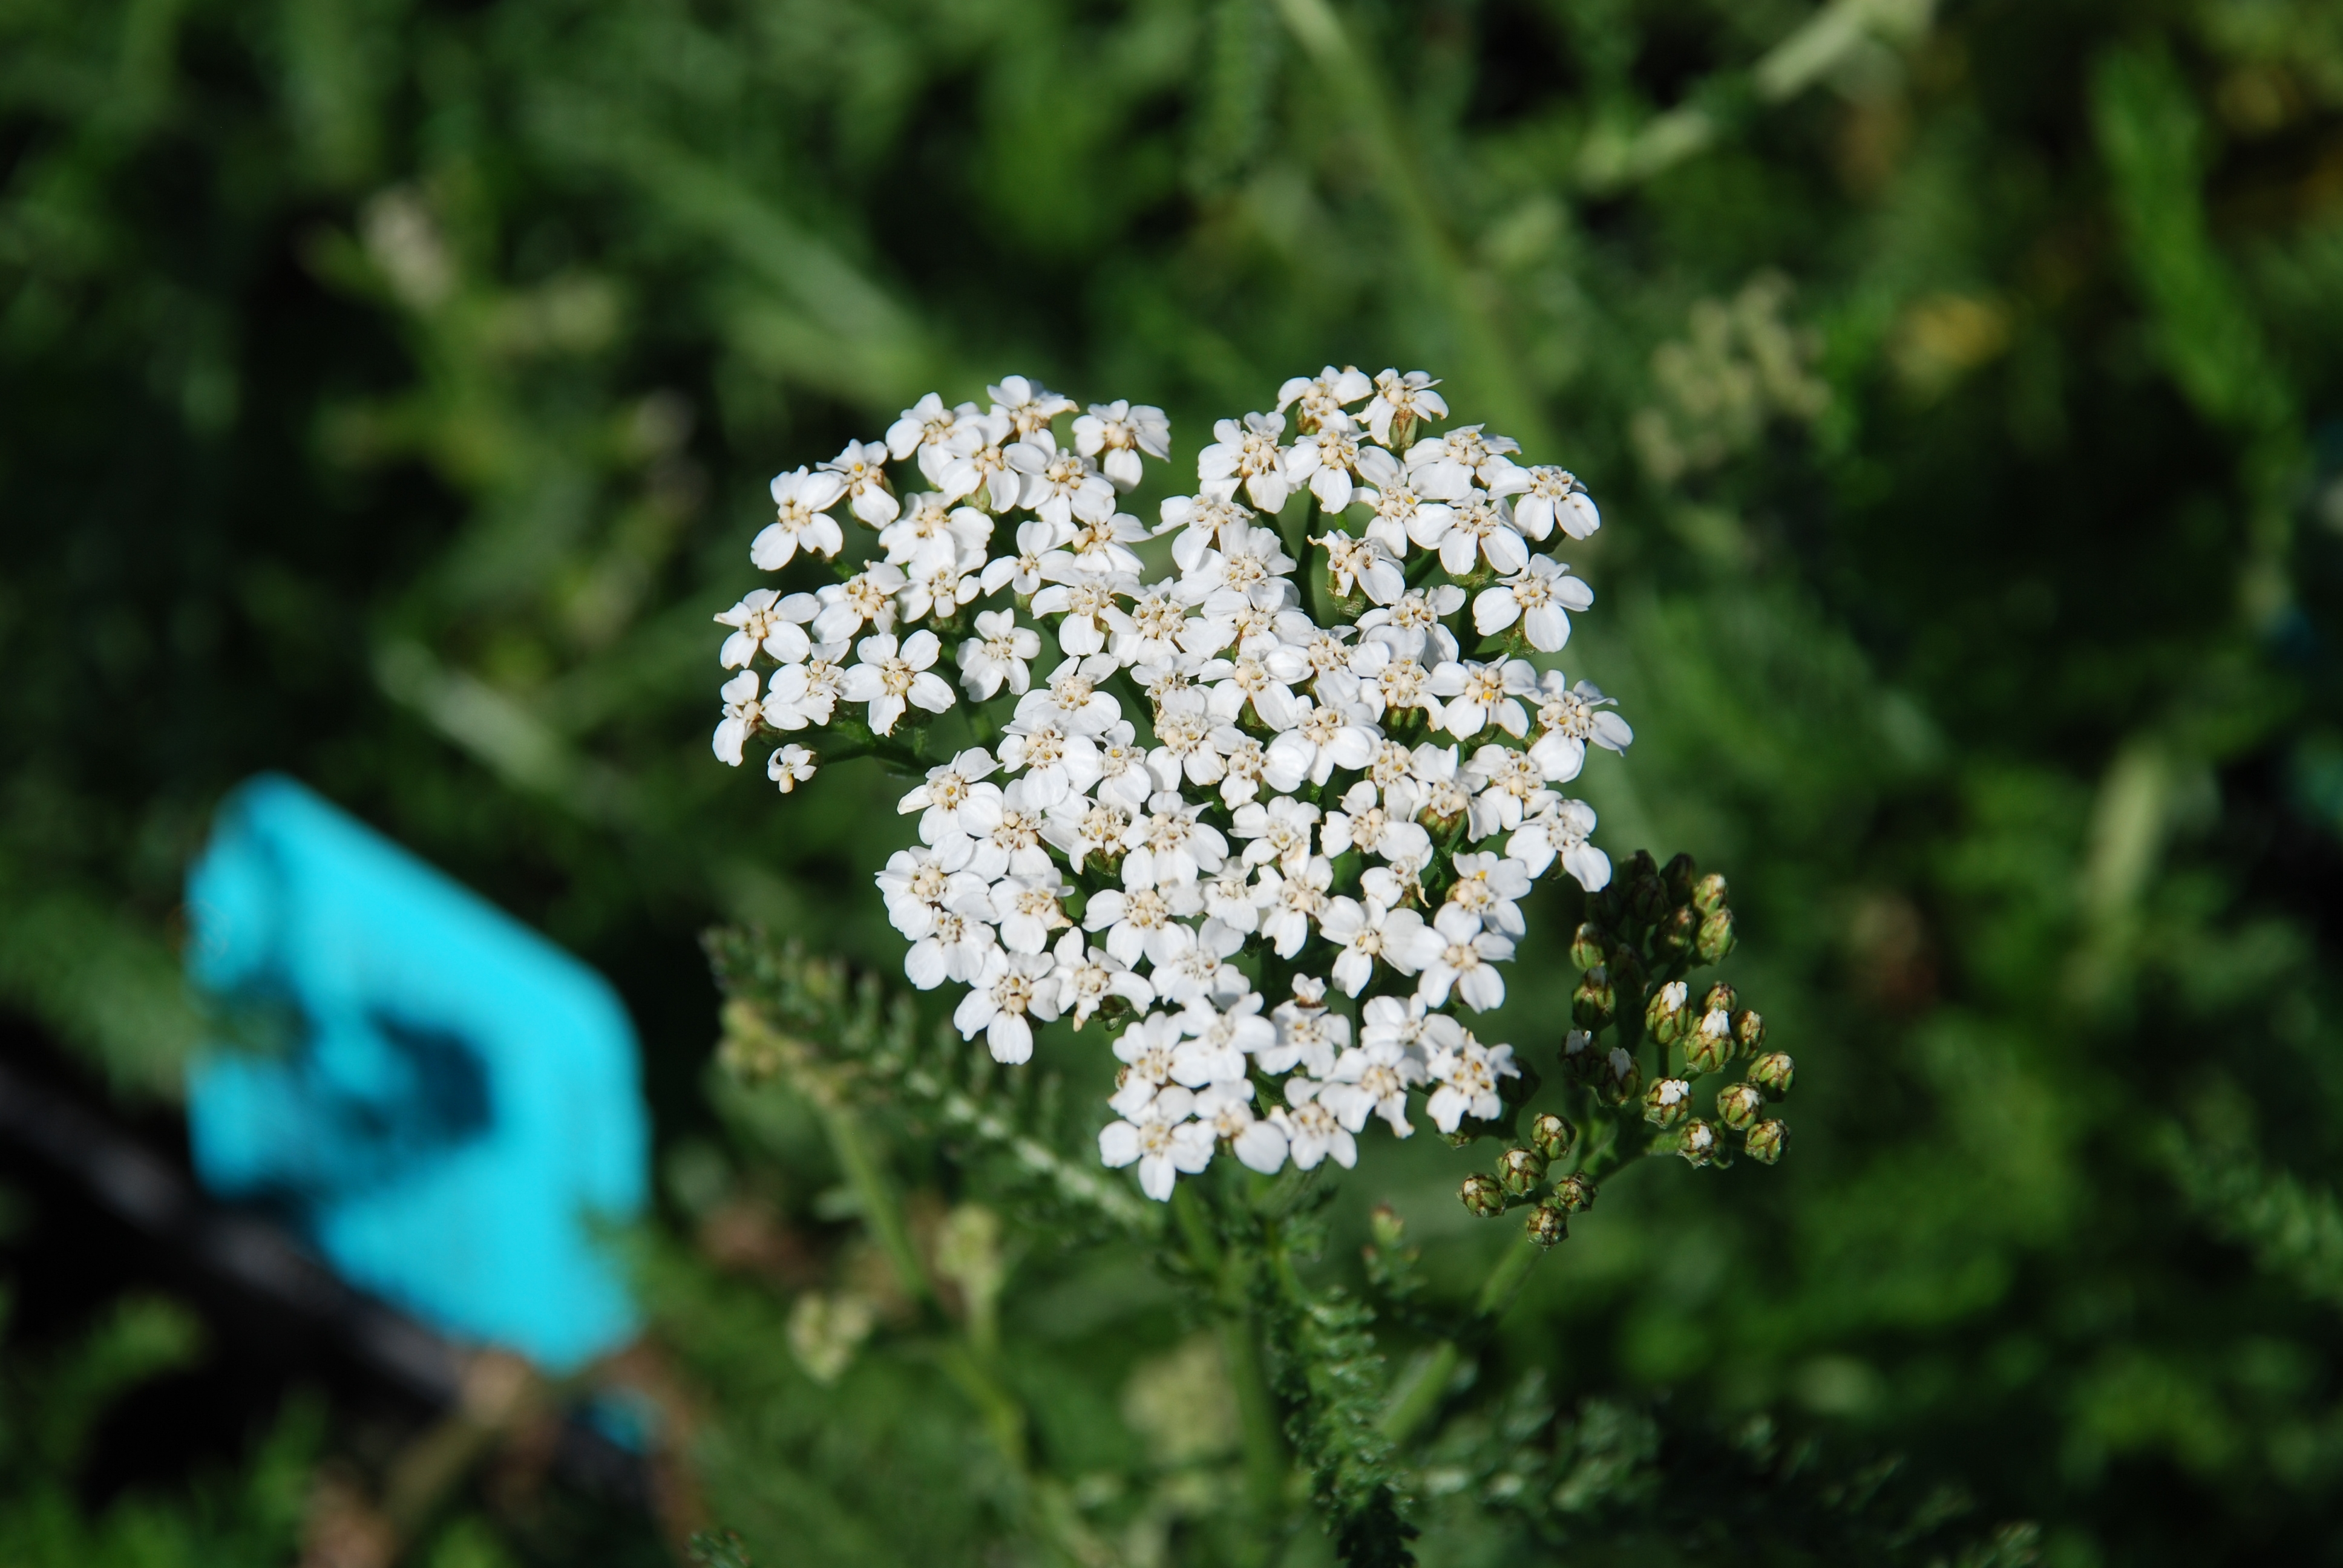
(1329, 765)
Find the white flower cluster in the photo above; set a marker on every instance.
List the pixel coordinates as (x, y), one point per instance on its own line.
(1298, 762)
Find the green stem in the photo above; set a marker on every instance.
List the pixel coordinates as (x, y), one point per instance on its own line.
(876, 1197)
(1414, 1400)
(1265, 1461)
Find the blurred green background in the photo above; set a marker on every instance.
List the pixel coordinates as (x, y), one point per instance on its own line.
(387, 395)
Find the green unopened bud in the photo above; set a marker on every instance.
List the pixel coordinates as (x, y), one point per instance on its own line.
(1718, 998)
(1668, 1102)
(1547, 1225)
(1772, 1074)
(1678, 875)
(1574, 1194)
(1708, 894)
(1749, 1030)
(1483, 1196)
(1647, 898)
(1386, 1227)
(1738, 1105)
(1595, 1000)
(1768, 1140)
(1665, 1017)
(1673, 936)
(1639, 864)
(1698, 1143)
(1711, 1046)
(1622, 1078)
(1589, 947)
(1552, 1135)
(1579, 1057)
(1519, 1169)
(1716, 938)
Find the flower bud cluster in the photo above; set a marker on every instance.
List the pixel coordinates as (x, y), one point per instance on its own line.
(1643, 931)
(1271, 816)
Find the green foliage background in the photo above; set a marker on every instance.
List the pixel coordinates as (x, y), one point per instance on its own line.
(388, 393)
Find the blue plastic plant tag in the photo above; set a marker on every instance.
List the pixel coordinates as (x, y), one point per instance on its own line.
(459, 1117)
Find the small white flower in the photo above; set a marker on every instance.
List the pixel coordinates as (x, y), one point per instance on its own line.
(1162, 1139)
(1467, 1073)
(1122, 431)
(1568, 718)
(1072, 697)
(1324, 736)
(766, 621)
(1489, 889)
(1313, 1131)
(862, 468)
(800, 695)
(1562, 832)
(1227, 1109)
(1555, 499)
(790, 766)
(1307, 1034)
(1100, 546)
(1477, 527)
(1081, 828)
(998, 654)
(931, 534)
(1448, 467)
(1124, 779)
(1222, 1026)
(1149, 1049)
(1277, 832)
(742, 714)
(924, 424)
(1466, 963)
(1169, 846)
(1475, 696)
(891, 676)
(1246, 455)
(1373, 1080)
(1150, 630)
(954, 949)
(1368, 933)
(1188, 964)
(1410, 625)
(1511, 787)
(1327, 460)
(1082, 605)
(1536, 596)
(1363, 562)
(1402, 401)
(1400, 512)
(1009, 988)
(1290, 901)
(976, 462)
(1028, 406)
(1006, 828)
(948, 789)
(918, 885)
(804, 521)
(1028, 908)
(866, 597)
(1228, 899)
(1055, 764)
(1086, 976)
(1059, 486)
(1402, 1024)
(1132, 918)
(1325, 395)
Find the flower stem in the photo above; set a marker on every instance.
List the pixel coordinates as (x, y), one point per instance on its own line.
(876, 1197)
(1265, 1461)
(1414, 1401)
